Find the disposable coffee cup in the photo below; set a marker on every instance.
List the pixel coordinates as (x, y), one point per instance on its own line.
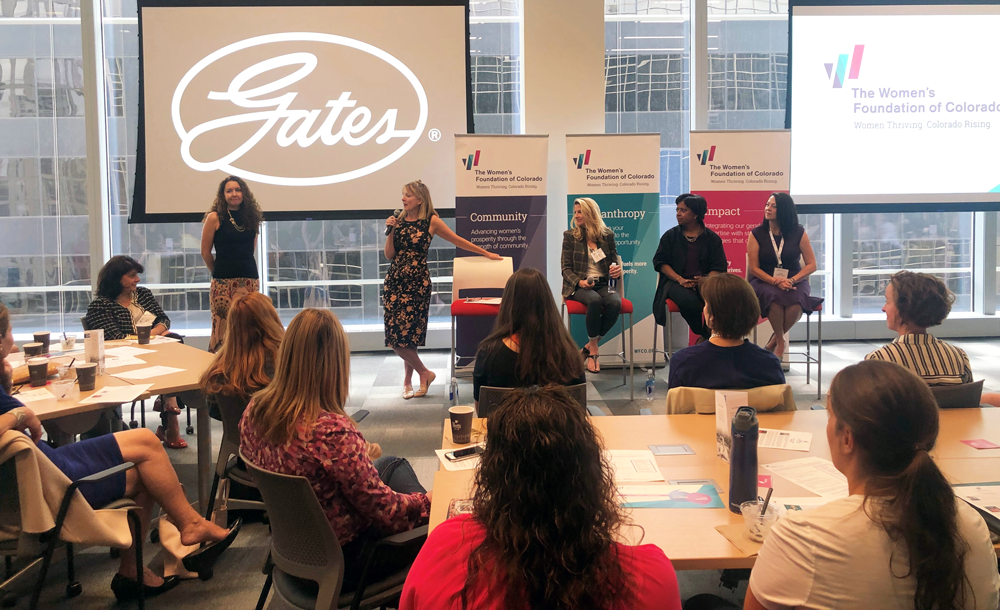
(86, 374)
(38, 371)
(758, 526)
(68, 342)
(142, 332)
(33, 349)
(43, 337)
(461, 424)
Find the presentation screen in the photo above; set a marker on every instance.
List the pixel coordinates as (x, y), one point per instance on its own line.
(895, 107)
(326, 111)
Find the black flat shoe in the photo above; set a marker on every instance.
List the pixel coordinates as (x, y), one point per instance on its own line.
(204, 558)
(127, 589)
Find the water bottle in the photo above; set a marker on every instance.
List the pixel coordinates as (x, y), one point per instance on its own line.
(743, 459)
(613, 281)
(650, 384)
(453, 392)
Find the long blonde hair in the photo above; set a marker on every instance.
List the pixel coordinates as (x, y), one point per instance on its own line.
(593, 225)
(419, 190)
(311, 376)
(5, 379)
(253, 336)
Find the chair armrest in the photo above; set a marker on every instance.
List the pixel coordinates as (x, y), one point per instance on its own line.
(595, 411)
(403, 538)
(359, 415)
(98, 476)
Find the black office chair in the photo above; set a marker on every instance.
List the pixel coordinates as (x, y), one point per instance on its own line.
(490, 397)
(961, 396)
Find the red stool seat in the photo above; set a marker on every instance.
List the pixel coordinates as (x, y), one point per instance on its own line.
(462, 307)
(672, 307)
(626, 306)
(576, 308)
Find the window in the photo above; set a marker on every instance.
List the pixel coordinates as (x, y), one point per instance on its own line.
(44, 232)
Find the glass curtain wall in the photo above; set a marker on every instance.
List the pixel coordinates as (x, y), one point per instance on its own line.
(44, 234)
(320, 263)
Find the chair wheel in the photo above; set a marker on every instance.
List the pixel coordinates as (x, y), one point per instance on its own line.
(133, 425)
(154, 535)
(73, 589)
(115, 553)
(206, 574)
(190, 430)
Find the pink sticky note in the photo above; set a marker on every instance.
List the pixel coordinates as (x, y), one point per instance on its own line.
(981, 443)
(763, 480)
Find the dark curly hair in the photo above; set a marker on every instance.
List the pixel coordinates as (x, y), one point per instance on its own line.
(546, 498)
(109, 280)
(252, 216)
(922, 299)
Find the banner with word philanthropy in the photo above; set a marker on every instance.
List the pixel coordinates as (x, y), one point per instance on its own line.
(736, 172)
(500, 205)
(621, 172)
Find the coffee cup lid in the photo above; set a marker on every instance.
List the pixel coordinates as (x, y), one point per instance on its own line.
(31, 344)
(38, 360)
(86, 365)
(460, 410)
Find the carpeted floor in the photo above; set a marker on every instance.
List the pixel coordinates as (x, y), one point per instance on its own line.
(412, 429)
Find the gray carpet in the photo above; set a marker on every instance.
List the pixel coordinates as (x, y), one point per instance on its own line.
(412, 428)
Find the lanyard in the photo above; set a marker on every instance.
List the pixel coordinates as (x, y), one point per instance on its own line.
(777, 249)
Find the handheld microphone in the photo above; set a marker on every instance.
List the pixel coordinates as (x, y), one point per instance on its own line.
(395, 213)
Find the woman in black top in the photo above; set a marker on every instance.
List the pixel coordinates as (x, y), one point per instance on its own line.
(782, 287)
(529, 344)
(686, 254)
(231, 226)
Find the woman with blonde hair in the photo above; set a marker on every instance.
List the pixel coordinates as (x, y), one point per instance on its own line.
(589, 259)
(407, 287)
(231, 226)
(297, 426)
(245, 362)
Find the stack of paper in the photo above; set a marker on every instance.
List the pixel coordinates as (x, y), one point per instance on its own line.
(813, 474)
(634, 466)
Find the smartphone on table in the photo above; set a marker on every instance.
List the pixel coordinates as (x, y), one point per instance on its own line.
(463, 454)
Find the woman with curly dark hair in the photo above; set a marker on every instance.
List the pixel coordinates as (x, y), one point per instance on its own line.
(231, 226)
(544, 532)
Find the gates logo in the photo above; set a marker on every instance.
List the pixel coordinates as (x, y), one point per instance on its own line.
(220, 143)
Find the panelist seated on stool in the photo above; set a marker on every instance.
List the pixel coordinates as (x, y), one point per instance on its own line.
(727, 360)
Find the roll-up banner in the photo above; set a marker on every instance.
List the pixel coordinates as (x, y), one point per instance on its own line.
(736, 172)
(500, 205)
(621, 172)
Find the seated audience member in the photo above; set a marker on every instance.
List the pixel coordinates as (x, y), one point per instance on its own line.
(686, 254)
(544, 531)
(726, 360)
(901, 539)
(119, 305)
(153, 480)
(244, 363)
(913, 303)
(297, 426)
(529, 344)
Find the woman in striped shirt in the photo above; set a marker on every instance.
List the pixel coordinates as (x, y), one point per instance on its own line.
(915, 302)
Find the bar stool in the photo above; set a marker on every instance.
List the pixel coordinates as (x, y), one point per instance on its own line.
(809, 359)
(576, 308)
(668, 335)
(475, 272)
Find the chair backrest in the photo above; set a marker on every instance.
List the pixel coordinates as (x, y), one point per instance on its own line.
(479, 272)
(83, 323)
(777, 397)
(302, 542)
(490, 397)
(960, 396)
(231, 408)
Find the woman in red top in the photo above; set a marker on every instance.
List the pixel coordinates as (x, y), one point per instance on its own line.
(544, 529)
(297, 426)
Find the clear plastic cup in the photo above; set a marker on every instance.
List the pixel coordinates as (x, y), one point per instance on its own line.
(63, 388)
(757, 525)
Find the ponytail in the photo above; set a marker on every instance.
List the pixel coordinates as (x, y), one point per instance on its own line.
(894, 420)
(922, 513)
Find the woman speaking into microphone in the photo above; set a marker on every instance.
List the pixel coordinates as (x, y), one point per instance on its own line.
(407, 288)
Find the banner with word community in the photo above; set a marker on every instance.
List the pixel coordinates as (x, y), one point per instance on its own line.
(500, 205)
(736, 172)
(621, 172)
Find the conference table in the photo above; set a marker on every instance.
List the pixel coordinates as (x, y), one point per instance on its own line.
(688, 536)
(66, 418)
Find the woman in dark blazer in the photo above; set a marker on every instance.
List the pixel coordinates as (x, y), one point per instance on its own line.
(686, 254)
(120, 304)
(589, 259)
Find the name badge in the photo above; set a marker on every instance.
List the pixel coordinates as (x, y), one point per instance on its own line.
(146, 318)
(781, 274)
(597, 255)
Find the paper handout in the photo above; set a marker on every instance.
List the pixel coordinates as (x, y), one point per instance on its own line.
(634, 465)
(813, 474)
(116, 394)
(149, 372)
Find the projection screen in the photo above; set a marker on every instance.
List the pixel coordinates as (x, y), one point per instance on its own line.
(326, 111)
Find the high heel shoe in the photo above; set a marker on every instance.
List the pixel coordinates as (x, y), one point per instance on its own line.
(205, 557)
(423, 387)
(127, 589)
(178, 444)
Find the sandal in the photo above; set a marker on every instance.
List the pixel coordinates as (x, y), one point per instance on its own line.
(423, 387)
(597, 364)
(158, 407)
(407, 392)
(772, 344)
(178, 444)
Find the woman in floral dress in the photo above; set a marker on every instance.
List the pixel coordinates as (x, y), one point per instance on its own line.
(407, 288)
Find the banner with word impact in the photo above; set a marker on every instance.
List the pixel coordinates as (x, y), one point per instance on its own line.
(736, 172)
(621, 172)
(500, 205)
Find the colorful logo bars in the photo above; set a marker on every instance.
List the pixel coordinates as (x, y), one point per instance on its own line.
(708, 155)
(842, 60)
(472, 161)
(583, 159)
